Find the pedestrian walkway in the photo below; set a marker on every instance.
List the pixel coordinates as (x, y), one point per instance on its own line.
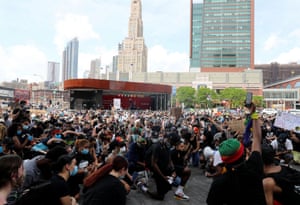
(197, 189)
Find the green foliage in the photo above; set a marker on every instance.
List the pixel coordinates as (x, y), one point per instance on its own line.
(258, 101)
(236, 96)
(206, 96)
(186, 95)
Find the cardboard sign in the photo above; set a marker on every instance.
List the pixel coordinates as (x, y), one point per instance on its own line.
(237, 125)
(287, 121)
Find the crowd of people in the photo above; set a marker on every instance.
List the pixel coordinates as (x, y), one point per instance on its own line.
(97, 157)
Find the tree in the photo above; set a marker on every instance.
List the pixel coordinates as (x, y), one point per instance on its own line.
(258, 101)
(205, 96)
(235, 96)
(186, 95)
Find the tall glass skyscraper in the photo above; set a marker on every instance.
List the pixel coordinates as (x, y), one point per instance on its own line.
(53, 72)
(70, 60)
(222, 35)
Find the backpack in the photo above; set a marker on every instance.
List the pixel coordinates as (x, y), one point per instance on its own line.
(40, 194)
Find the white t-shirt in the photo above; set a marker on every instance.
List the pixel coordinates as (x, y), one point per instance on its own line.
(217, 158)
(288, 144)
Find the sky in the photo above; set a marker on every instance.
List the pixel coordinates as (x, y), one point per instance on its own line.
(33, 32)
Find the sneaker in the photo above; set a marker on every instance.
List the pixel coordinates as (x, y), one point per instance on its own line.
(181, 196)
(142, 187)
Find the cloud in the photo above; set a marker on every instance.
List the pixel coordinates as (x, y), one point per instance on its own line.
(69, 26)
(23, 62)
(294, 34)
(160, 59)
(272, 42)
(288, 57)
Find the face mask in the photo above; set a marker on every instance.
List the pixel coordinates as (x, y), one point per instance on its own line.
(154, 140)
(1, 149)
(121, 177)
(84, 151)
(123, 149)
(74, 171)
(19, 132)
(58, 136)
(168, 145)
(25, 127)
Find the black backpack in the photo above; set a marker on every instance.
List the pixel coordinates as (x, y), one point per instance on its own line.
(40, 194)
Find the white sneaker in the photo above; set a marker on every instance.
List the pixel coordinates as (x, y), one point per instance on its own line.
(181, 196)
(141, 187)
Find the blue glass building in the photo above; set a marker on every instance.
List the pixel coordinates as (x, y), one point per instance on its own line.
(222, 35)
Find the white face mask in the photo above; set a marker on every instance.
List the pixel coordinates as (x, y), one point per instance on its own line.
(123, 149)
(154, 140)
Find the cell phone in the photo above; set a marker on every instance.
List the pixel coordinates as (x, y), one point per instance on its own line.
(248, 99)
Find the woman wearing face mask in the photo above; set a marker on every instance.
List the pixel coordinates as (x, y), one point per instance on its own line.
(20, 140)
(65, 167)
(104, 185)
(84, 158)
(85, 163)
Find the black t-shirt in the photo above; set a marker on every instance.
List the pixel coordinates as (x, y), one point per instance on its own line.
(178, 161)
(83, 160)
(240, 186)
(285, 179)
(108, 190)
(60, 188)
(36, 131)
(178, 158)
(162, 155)
(296, 146)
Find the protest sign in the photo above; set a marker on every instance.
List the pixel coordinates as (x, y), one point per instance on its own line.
(287, 121)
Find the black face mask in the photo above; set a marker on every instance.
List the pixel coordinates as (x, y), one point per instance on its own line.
(167, 145)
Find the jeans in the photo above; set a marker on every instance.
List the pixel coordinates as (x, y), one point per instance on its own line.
(195, 159)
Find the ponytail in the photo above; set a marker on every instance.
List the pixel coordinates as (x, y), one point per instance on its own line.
(98, 174)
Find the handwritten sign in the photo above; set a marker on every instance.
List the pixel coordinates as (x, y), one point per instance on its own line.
(287, 121)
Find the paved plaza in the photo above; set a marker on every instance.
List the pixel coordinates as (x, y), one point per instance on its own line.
(197, 188)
